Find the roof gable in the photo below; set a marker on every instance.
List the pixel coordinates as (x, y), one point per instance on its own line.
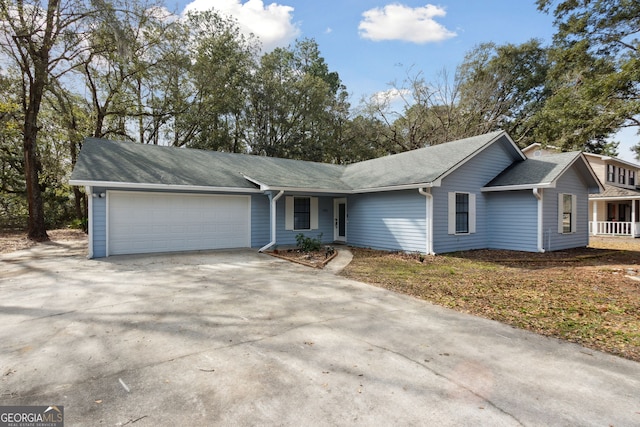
(542, 172)
(422, 166)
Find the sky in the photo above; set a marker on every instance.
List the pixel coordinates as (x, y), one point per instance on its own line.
(375, 43)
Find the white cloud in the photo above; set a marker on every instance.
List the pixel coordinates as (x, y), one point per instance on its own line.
(400, 22)
(272, 24)
(390, 96)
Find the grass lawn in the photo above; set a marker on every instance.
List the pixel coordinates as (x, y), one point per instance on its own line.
(589, 296)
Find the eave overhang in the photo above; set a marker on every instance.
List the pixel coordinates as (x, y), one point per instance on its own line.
(148, 186)
(266, 187)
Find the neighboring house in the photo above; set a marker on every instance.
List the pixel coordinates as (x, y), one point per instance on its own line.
(475, 193)
(615, 210)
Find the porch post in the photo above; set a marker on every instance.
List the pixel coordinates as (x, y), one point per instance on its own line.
(633, 218)
(594, 222)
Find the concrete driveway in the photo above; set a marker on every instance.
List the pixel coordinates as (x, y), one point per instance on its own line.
(240, 338)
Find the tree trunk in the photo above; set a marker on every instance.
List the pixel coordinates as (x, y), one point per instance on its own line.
(37, 229)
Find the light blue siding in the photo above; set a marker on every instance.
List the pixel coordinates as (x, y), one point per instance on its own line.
(512, 220)
(260, 221)
(469, 178)
(570, 183)
(99, 218)
(325, 222)
(388, 220)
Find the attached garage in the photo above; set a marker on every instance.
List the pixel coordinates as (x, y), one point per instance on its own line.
(145, 222)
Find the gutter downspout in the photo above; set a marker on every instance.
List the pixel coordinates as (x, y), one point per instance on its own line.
(427, 193)
(538, 193)
(88, 194)
(273, 222)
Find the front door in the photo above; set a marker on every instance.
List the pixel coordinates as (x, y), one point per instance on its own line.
(340, 220)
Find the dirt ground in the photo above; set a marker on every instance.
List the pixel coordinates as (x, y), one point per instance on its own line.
(11, 241)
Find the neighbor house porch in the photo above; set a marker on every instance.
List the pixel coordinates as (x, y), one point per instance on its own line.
(615, 212)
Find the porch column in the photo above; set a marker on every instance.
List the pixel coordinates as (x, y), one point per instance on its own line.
(633, 218)
(594, 222)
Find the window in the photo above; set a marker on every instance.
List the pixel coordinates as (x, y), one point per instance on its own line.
(462, 213)
(567, 211)
(611, 173)
(632, 178)
(621, 175)
(301, 213)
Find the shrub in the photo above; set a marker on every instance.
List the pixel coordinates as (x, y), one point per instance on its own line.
(309, 244)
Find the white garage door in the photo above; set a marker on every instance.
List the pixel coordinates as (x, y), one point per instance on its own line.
(161, 222)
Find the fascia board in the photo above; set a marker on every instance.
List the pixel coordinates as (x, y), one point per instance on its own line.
(146, 186)
(263, 187)
(351, 191)
(605, 198)
(518, 187)
(436, 183)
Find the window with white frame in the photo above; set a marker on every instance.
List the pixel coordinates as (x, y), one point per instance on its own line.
(621, 175)
(567, 213)
(632, 177)
(462, 213)
(301, 213)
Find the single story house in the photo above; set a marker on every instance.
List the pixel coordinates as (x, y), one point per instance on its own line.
(474, 193)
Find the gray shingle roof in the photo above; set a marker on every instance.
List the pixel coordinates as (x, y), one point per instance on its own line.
(424, 165)
(125, 162)
(533, 172)
(130, 163)
(611, 191)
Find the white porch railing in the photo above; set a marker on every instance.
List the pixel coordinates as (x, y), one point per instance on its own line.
(614, 228)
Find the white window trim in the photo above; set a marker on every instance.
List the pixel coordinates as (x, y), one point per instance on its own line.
(574, 213)
(289, 213)
(452, 213)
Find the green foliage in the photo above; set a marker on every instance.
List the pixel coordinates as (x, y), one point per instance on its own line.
(309, 244)
(79, 224)
(503, 86)
(297, 107)
(596, 73)
(220, 76)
